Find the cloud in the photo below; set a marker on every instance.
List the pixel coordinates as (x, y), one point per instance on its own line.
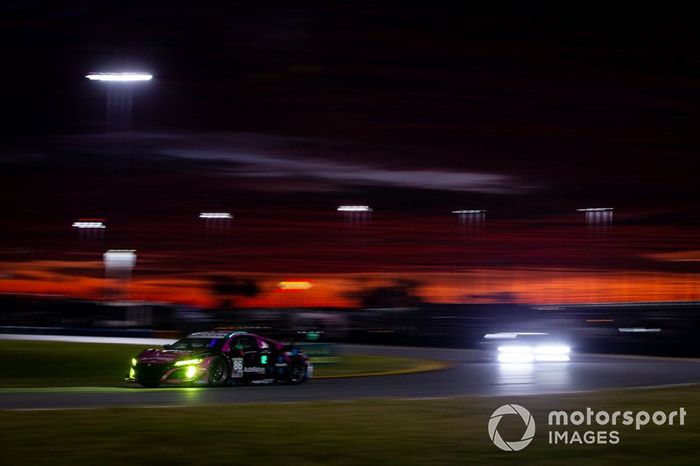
(256, 156)
(343, 173)
(692, 255)
(270, 162)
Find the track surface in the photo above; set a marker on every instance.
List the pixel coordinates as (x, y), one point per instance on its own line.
(473, 373)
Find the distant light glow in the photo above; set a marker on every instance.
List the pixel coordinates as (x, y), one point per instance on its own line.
(540, 353)
(291, 285)
(638, 330)
(552, 349)
(354, 208)
(190, 372)
(515, 349)
(552, 358)
(93, 225)
(595, 209)
(510, 335)
(120, 258)
(516, 357)
(469, 212)
(215, 215)
(119, 77)
(133, 361)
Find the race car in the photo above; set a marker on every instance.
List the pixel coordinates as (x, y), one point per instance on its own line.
(528, 347)
(220, 358)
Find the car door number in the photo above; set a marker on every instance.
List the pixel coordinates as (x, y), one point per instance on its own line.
(237, 367)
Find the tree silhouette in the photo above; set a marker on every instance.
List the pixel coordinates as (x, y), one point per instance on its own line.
(228, 289)
(401, 293)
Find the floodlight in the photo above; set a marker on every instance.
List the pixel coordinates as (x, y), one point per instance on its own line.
(215, 215)
(469, 211)
(120, 258)
(119, 77)
(81, 224)
(354, 208)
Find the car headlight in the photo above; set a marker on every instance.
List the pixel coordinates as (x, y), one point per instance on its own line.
(190, 372)
(515, 349)
(552, 349)
(188, 362)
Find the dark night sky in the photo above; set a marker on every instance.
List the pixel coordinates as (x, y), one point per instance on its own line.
(279, 111)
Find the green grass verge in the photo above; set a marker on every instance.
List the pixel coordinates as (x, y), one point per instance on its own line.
(355, 366)
(56, 364)
(371, 432)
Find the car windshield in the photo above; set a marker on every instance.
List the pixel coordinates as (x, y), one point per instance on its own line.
(197, 343)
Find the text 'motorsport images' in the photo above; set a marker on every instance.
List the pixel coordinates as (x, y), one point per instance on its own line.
(220, 358)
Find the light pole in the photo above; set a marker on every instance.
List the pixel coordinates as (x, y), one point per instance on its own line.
(119, 264)
(355, 215)
(599, 222)
(598, 219)
(120, 96)
(472, 219)
(471, 225)
(90, 228)
(217, 222)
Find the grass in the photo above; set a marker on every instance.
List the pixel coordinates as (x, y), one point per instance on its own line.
(54, 364)
(372, 432)
(365, 365)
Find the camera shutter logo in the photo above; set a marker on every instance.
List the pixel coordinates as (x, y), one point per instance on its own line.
(527, 418)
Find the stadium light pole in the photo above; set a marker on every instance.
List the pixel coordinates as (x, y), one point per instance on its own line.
(599, 221)
(120, 95)
(471, 229)
(90, 227)
(119, 77)
(355, 233)
(598, 218)
(355, 215)
(217, 222)
(119, 264)
(472, 218)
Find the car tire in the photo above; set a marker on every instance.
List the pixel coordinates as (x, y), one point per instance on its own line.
(217, 372)
(297, 373)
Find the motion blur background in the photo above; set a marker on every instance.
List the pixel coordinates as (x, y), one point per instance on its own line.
(279, 113)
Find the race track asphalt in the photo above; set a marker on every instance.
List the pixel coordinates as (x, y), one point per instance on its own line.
(472, 373)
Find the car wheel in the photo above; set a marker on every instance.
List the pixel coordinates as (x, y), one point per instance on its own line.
(217, 374)
(297, 373)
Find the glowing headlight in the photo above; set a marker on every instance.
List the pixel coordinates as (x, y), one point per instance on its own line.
(552, 357)
(515, 349)
(190, 372)
(527, 353)
(516, 357)
(552, 349)
(188, 362)
(133, 361)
